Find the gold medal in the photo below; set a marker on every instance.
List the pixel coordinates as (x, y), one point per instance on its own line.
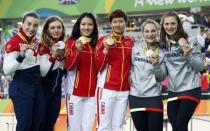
(110, 40)
(84, 39)
(31, 46)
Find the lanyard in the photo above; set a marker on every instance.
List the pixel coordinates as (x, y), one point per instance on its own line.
(155, 49)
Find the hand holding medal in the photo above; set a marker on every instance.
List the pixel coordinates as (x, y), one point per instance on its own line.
(81, 41)
(84, 39)
(185, 46)
(149, 53)
(23, 48)
(60, 45)
(109, 41)
(58, 50)
(152, 55)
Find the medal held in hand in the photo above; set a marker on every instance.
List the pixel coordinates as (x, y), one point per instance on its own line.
(149, 53)
(60, 50)
(84, 39)
(60, 44)
(110, 41)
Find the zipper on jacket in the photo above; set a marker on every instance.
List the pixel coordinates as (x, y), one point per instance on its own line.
(91, 63)
(122, 71)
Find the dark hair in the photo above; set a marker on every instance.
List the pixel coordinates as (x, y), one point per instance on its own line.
(179, 33)
(116, 14)
(75, 34)
(30, 14)
(45, 36)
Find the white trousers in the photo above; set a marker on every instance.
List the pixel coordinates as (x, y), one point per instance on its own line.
(112, 110)
(81, 113)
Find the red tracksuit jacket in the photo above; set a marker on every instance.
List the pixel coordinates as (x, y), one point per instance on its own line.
(118, 60)
(86, 72)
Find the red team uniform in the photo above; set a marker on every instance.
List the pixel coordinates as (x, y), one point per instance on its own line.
(81, 85)
(113, 101)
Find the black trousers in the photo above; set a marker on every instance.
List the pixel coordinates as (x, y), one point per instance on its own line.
(148, 120)
(180, 113)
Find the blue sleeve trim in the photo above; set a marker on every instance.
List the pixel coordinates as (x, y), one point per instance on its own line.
(20, 59)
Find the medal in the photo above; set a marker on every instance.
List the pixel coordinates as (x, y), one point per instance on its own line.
(149, 53)
(110, 40)
(84, 39)
(31, 46)
(60, 44)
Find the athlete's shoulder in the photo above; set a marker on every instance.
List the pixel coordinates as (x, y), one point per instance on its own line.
(102, 37)
(129, 38)
(70, 42)
(13, 44)
(43, 49)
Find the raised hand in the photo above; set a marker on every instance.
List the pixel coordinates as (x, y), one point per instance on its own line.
(154, 58)
(54, 50)
(185, 46)
(109, 41)
(78, 45)
(23, 48)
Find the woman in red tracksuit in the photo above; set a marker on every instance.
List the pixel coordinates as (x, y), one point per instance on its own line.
(113, 101)
(81, 73)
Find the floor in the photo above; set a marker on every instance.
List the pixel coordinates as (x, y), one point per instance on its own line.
(197, 123)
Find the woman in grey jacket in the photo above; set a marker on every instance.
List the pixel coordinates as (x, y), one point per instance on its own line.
(148, 70)
(184, 62)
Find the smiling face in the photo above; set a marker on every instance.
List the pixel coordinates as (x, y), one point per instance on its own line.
(30, 26)
(55, 29)
(86, 26)
(170, 25)
(150, 33)
(118, 25)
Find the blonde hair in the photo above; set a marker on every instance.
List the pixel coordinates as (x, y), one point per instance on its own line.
(151, 21)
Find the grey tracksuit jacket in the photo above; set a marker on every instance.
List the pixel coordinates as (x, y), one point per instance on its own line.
(183, 72)
(145, 77)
